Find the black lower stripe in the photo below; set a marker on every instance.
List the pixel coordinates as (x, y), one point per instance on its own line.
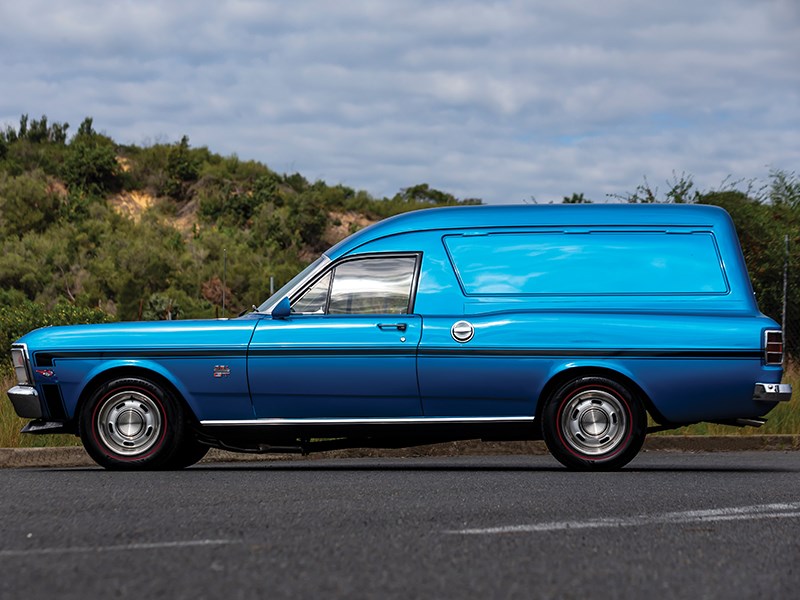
(45, 359)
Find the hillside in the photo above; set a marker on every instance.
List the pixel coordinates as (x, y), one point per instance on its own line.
(94, 230)
(143, 232)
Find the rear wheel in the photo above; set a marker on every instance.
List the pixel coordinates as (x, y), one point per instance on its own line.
(132, 423)
(594, 423)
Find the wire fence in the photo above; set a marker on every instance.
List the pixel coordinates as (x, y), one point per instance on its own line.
(790, 304)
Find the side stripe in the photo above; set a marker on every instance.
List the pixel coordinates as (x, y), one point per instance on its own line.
(45, 359)
(592, 352)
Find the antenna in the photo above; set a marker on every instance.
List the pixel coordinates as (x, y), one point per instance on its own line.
(224, 277)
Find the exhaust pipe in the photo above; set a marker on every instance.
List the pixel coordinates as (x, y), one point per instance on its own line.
(750, 422)
(753, 422)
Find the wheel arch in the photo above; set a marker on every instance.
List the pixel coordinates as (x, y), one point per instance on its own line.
(121, 371)
(569, 373)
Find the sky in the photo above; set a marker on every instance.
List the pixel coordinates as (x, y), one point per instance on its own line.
(507, 101)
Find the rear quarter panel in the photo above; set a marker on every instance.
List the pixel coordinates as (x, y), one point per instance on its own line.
(691, 368)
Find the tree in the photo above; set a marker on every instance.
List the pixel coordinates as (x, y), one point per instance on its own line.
(182, 170)
(576, 199)
(681, 190)
(784, 188)
(91, 164)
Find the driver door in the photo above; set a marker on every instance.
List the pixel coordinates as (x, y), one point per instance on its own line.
(347, 350)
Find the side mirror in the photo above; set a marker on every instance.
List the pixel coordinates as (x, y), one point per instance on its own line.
(283, 309)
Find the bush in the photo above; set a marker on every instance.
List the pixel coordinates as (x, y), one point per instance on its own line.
(23, 316)
(91, 167)
(28, 202)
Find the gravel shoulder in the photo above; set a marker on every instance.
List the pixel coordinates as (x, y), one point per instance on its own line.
(75, 456)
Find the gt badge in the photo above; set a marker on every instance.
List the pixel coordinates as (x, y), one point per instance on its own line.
(221, 371)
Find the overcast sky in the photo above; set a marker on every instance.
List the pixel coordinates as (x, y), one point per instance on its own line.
(502, 101)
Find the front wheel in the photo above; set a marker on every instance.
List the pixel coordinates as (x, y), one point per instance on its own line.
(132, 423)
(190, 452)
(594, 423)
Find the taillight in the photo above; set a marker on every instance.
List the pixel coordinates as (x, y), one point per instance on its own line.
(773, 347)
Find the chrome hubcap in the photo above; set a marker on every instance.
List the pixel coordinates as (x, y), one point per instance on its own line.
(129, 423)
(593, 422)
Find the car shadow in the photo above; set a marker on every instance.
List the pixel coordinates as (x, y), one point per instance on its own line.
(487, 468)
(411, 465)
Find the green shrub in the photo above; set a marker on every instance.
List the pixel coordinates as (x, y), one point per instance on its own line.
(27, 203)
(23, 316)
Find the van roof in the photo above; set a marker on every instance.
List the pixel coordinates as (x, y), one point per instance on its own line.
(538, 215)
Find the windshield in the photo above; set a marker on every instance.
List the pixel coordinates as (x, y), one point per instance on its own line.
(296, 281)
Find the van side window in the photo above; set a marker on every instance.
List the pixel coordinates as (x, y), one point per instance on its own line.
(371, 285)
(588, 263)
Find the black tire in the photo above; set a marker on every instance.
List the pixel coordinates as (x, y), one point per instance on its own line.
(190, 452)
(594, 423)
(132, 423)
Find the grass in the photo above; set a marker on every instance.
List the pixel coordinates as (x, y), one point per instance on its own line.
(10, 424)
(785, 418)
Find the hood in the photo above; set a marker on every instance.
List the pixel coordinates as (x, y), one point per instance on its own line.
(138, 335)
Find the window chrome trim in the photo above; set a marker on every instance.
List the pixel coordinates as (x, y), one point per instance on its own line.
(292, 293)
(366, 421)
(317, 279)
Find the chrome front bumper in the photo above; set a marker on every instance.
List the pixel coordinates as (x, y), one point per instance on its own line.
(26, 402)
(772, 392)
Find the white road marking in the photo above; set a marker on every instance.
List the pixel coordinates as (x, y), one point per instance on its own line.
(760, 511)
(118, 548)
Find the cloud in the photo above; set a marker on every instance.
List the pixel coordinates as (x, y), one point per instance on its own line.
(503, 100)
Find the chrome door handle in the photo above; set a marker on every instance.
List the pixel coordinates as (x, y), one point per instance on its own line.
(398, 326)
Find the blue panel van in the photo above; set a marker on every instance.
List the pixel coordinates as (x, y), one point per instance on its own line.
(568, 323)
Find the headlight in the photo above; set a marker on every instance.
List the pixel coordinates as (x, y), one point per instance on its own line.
(20, 362)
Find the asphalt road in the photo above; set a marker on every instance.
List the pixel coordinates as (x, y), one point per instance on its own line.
(670, 525)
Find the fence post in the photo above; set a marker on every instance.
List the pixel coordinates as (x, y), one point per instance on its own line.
(785, 294)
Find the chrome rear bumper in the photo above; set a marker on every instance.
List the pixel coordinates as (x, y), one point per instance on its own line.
(772, 392)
